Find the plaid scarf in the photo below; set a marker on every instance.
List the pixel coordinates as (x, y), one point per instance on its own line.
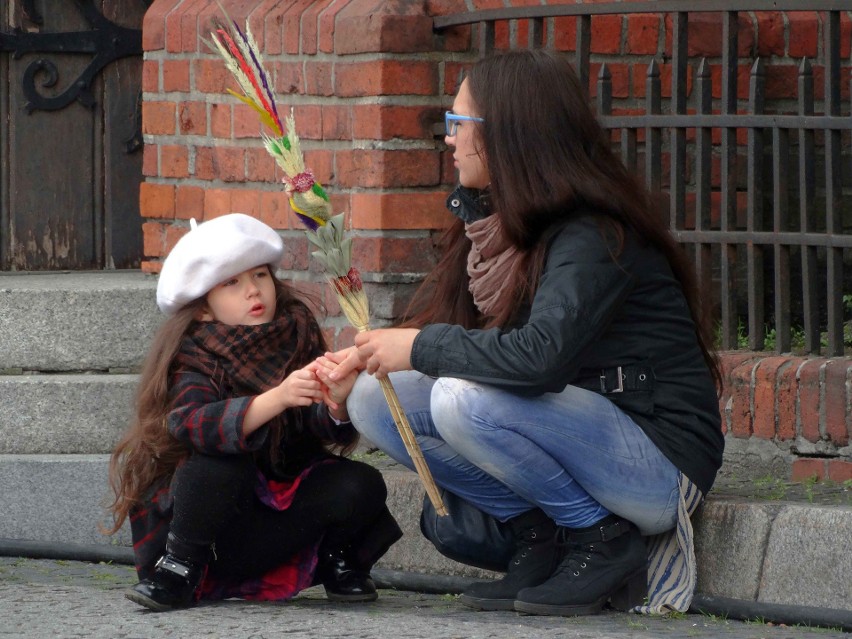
(257, 358)
(249, 360)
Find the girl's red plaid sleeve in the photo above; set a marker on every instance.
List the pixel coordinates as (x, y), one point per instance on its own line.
(205, 421)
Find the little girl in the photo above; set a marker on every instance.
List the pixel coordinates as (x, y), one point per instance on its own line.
(226, 473)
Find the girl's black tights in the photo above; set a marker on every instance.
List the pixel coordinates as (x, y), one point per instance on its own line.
(214, 501)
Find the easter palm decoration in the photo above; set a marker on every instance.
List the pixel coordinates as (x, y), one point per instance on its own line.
(311, 204)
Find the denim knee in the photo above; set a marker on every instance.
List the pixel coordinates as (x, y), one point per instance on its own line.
(364, 403)
(455, 405)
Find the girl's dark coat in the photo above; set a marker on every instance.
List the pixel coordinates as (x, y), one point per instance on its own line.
(208, 418)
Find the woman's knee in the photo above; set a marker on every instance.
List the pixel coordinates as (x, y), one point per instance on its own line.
(364, 404)
(458, 406)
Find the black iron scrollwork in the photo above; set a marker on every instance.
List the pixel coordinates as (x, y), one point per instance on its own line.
(31, 12)
(106, 40)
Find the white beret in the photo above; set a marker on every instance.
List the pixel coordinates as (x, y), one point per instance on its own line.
(211, 253)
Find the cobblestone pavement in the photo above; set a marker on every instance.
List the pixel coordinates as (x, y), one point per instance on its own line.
(55, 599)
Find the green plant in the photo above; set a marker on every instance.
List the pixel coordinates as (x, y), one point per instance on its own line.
(797, 337)
(717, 619)
(675, 614)
(797, 333)
(809, 628)
(769, 340)
(809, 487)
(742, 335)
(636, 625)
(770, 488)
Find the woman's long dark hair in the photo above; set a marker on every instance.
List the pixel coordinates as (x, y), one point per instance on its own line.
(549, 160)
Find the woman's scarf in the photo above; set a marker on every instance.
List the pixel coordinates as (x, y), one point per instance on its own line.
(490, 264)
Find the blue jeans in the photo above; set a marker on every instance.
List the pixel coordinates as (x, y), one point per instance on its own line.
(573, 454)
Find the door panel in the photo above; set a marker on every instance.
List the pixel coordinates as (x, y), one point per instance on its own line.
(71, 199)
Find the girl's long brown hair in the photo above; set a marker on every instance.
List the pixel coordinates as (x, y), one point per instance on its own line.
(549, 161)
(147, 453)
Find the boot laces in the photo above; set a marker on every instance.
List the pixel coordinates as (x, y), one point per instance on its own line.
(576, 558)
(525, 544)
(520, 556)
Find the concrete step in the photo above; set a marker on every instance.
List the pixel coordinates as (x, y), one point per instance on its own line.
(67, 413)
(767, 551)
(76, 321)
(59, 498)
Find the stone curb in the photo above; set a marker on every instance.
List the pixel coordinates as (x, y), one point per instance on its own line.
(772, 552)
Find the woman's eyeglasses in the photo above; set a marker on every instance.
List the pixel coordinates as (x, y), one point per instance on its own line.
(451, 121)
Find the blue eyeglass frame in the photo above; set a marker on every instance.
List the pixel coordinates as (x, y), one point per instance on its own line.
(451, 121)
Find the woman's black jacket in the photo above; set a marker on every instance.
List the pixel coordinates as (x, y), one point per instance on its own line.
(592, 314)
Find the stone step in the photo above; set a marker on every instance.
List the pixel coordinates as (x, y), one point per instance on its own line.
(772, 552)
(64, 413)
(76, 321)
(59, 498)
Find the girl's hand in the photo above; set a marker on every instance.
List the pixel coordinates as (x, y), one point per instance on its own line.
(347, 361)
(385, 350)
(299, 388)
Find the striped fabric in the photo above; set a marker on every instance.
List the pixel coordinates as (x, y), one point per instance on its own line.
(672, 571)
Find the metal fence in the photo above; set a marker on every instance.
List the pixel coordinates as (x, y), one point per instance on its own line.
(767, 227)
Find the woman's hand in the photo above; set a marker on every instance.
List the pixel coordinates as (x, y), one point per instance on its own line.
(335, 391)
(386, 350)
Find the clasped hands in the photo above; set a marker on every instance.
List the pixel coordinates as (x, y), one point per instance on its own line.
(379, 352)
(330, 378)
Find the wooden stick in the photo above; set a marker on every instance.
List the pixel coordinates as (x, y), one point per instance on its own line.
(412, 446)
(356, 308)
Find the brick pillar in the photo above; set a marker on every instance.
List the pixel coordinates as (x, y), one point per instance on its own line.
(802, 404)
(366, 100)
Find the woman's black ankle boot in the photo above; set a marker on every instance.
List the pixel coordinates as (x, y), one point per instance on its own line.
(341, 579)
(176, 577)
(607, 560)
(536, 556)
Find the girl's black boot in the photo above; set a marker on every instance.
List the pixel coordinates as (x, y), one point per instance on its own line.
(536, 556)
(605, 561)
(176, 577)
(341, 579)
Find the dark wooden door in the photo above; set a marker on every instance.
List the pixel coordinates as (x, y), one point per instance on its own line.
(70, 77)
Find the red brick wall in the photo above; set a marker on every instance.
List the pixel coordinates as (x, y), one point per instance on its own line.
(803, 404)
(368, 80)
(365, 103)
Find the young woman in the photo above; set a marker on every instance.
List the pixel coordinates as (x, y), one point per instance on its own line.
(556, 364)
(226, 473)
